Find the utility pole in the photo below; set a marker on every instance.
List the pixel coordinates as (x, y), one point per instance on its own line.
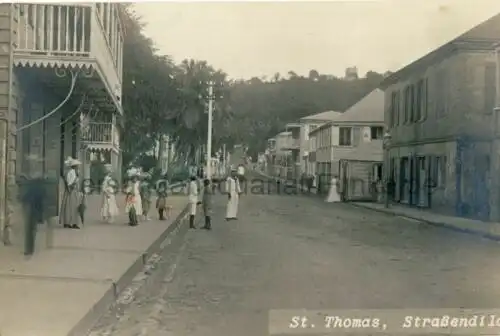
(211, 99)
(224, 159)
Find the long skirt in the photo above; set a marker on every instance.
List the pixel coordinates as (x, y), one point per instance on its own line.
(69, 208)
(137, 204)
(333, 195)
(109, 209)
(232, 207)
(192, 208)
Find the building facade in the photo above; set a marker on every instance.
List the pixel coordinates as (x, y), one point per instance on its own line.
(283, 154)
(357, 147)
(300, 135)
(440, 116)
(61, 75)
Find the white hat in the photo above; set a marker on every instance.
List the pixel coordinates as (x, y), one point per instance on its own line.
(70, 162)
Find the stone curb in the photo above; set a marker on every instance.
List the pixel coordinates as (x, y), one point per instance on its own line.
(87, 322)
(491, 236)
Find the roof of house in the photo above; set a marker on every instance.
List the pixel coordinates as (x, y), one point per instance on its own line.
(284, 133)
(327, 115)
(368, 109)
(486, 33)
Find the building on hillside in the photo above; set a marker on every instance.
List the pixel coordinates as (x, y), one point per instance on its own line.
(282, 154)
(351, 73)
(300, 140)
(61, 74)
(357, 147)
(444, 131)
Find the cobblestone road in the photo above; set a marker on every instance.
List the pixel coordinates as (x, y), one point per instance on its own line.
(299, 252)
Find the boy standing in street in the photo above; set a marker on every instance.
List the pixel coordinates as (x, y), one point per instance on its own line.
(207, 204)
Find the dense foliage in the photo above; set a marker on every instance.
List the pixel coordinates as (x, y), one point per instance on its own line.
(163, 98)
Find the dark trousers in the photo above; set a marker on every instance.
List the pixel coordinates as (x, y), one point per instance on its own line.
(161, 213)
(132, 217)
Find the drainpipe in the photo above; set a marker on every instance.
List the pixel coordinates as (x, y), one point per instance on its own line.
(495, 148)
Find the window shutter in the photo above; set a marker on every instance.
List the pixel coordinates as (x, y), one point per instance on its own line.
(356, 135)
(335, 136)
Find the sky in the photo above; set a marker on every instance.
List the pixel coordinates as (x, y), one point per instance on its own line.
(247, 39)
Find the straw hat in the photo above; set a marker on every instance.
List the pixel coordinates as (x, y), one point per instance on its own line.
(70, 162)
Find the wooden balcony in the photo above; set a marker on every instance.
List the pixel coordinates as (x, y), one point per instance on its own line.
(71, 35)
(101, 136)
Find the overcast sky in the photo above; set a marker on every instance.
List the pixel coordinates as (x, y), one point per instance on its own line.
(248, 39)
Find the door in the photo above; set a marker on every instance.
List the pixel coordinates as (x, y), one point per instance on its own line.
(422, 176)
(404, 183)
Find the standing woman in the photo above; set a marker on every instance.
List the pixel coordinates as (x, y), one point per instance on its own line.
(233, 192)
(71, 199)
(108, 209)
(146, 194)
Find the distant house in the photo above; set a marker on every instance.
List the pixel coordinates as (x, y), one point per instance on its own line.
(444, 130)
(300, 139)
(357, 146)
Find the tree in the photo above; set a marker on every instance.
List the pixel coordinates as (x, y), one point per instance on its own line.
(261, 110)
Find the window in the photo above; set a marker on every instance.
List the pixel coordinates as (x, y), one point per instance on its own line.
(345, 136)
(425, 100)
(489, 87)
(398, 107)
(439, 173)
(413, 103)
(393, 110)
(376, 133)
(407, 104)
(418, 100)
(441, 93)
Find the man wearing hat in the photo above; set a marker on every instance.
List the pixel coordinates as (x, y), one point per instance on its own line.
(193, 200)
(69, 216)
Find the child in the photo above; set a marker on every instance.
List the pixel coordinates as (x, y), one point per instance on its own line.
(207, 204)
(161, 201)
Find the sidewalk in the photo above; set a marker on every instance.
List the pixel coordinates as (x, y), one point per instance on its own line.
(65, 288)
(484, 229)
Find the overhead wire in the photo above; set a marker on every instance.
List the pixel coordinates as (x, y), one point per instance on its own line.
(73, 83)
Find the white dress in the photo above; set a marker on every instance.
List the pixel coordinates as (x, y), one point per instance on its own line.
(193, 197)
(333, 195)
(109, 208)
(233, 189)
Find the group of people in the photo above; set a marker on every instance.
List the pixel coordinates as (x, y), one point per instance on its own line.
(137, 201)
(233, 191)
(138, 197)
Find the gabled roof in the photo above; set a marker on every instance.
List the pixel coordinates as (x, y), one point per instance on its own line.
(369, 109)
(486, 33)
(327, 115)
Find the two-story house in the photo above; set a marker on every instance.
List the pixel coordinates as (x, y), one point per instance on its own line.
(60, 94)
(300, 135)
(440, 116)
(350, 147)
(357, 146)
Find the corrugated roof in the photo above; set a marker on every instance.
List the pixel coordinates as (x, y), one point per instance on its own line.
(327, 115)
(369, 109)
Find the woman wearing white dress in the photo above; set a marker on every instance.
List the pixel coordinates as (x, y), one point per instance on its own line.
(109, 209)
(233, 192)
(333, 195)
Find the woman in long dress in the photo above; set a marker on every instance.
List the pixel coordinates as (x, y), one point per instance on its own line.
(333, 195)
(233, 192)
(109, 209)
(134, 189)
(69, 216)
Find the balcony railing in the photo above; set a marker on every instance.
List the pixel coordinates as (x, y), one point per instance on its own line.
(79, 32)
(101, 134)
